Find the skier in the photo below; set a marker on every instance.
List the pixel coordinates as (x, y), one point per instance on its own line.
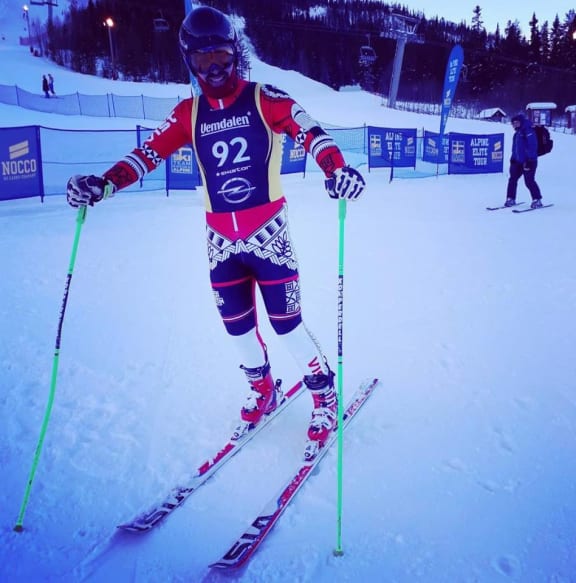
(45, 86)
(51, 84)
(234, 127)
(523, 161)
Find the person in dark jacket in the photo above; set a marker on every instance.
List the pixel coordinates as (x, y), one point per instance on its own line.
(523, 161)
(45, 86)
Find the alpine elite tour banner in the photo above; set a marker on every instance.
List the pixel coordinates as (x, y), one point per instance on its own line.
(476, 154)
(391, 147)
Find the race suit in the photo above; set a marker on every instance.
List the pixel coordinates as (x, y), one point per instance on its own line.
(238, 144)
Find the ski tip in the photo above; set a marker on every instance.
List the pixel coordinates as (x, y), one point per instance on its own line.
(503, 207)
(132, 528)
(232, 565)
(369, 384)
(544, 206)
(219, 566)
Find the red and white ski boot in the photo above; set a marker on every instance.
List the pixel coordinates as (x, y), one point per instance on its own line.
(325, 413)
(262, 400)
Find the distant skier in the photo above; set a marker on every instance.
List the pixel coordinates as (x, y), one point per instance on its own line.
(523, 161)
(51, 84)
(235, 127)
(45, 86)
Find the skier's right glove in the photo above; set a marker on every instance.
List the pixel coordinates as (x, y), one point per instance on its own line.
(345, 182)
(87, 190)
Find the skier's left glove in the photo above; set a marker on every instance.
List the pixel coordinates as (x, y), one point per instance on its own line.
(346, 183)
(87, 190)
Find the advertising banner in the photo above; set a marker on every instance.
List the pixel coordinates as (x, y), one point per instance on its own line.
(476, 154)
(293, 156)
(391, 147)
(21, 162)
(432, 151)
(451, 78)
(182, 170)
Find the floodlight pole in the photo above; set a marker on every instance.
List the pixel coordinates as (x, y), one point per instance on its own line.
(109, 24)
(26, 13)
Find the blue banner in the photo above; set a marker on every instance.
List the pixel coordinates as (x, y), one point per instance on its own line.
(476, 154)
(182, 170)
(431, 151)
(293, 156)
(389, 147)
(181, 166)
(21, 161)
(451, 77)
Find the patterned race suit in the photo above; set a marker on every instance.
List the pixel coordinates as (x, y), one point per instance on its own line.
(238, 145)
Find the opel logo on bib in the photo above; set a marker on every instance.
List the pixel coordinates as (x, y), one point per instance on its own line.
(236, 190)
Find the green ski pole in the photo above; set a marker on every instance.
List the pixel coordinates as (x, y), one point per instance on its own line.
(338, 552)
(79, 222)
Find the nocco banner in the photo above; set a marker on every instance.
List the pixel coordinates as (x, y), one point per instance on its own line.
(21, 162)
(475, 154)
(432, 151)
(293, 156)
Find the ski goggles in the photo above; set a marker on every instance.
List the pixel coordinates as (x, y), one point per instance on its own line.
(223, 56)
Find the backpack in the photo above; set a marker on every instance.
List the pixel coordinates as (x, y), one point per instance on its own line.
(545, 142)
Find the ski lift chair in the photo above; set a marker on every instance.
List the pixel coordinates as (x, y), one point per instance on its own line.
(367, 55)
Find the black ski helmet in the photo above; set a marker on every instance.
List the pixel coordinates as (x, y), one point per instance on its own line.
(203, 28)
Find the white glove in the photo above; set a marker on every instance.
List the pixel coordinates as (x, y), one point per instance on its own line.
(345, 182)
(87, 190)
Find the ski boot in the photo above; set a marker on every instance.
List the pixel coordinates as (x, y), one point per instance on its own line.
(510, 202)
(265, 394)
(536, 203)
(325, 413)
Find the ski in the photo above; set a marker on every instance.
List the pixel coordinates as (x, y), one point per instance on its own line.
(497, 208)
(150, 518)
(527, 210)
(245, 546)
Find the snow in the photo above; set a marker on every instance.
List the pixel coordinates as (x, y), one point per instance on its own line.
(542, 105)
(488, 113)
(461, 466)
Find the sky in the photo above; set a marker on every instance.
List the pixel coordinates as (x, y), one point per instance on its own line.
(460, 468)
(495, 11)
